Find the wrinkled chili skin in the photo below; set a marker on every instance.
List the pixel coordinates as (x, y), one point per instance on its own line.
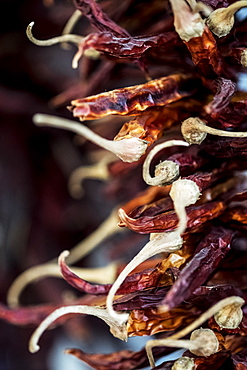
(154, 121)
(225, 89)
(225, 147)
(150, 321)
(122, 360)
(98, 18)
(136, 99)
(207, 58)
(207, 256)
(127, 47)
(227, 120)
(197, 216)
(135, 282)
(206, 296)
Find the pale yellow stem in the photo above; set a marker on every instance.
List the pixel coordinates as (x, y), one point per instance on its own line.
(35, 273)
(74, 39)
(129, 150)
(99, 275)
(97, 171)
(170, 170)
(70, 25)
(194, 131)
(233, 8)
(221, 20)
(205, 316)
(117, 330)
(162, 242)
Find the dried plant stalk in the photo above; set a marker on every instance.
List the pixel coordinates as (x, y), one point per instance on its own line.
(129, 150)
(35, 273)
(166, 172)
(205, 316)
(194, 131)
(118, 330)
(221, 20)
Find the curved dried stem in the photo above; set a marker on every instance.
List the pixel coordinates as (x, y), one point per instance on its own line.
(97, 171)
(183, 193)
(194, 131)
(100, 275)
(32, 274)
(129, 150)
(160, 243)
(74, 39)
(119, 331)
(205, 316)
(169, 171)
(221, 20)
(203, 342)
(35, 273)
(70, 25)
(233, 8)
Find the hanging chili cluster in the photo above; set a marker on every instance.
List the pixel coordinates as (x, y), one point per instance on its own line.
(182, 68)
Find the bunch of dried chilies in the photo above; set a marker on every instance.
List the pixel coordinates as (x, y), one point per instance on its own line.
(194, 207)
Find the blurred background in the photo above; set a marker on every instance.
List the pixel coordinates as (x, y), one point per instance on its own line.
(38, 216)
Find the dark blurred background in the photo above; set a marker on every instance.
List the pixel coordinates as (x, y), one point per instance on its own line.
(38, 217)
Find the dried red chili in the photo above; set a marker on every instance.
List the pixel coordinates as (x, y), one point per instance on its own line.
(168, 221)
(225, 147)
(98, 18)
(158, 105)
(207, 256)
(206, 56)
(134, 100)
(122, 360)
(126, 47)
(150, 321)
(225, 89)
(135, 282)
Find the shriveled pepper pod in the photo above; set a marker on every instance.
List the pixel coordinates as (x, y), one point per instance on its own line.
(134, 100)
(194, 131)
(184, 363)
(230, 316)
(221, 21)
